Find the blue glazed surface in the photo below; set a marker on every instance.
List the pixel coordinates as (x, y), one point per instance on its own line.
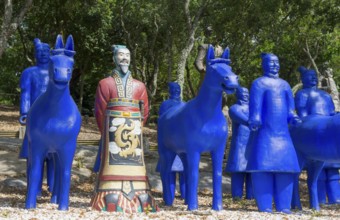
(316, 139)
(237, 161)
(272, 159)
(195, 127)
(239, 114)
(53, 124)
(33, 83)
(271, 110)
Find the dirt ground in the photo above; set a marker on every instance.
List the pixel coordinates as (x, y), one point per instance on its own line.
(12, 198)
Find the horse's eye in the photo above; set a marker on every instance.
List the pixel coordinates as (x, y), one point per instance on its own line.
(68, 70)
(55, 70)
(226, 78)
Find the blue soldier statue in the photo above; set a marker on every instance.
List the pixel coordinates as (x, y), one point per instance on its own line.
(237, 161)
(313, 101)
(272, 160)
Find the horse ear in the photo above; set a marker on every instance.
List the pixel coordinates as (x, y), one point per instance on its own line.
(226, 54)
(69, 43)
(59, 44)
(210, 53)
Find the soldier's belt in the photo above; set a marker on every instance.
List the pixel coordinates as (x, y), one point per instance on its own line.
(123, 102)
(124, 114)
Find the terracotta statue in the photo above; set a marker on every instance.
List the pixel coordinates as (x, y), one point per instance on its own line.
(195, 127)
(121, 109)
(272, 159)
(237, 161)
(53, 125)
(328, 84)
(33, 83)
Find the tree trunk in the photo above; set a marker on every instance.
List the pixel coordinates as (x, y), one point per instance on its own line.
(191, 28)
(10, 24)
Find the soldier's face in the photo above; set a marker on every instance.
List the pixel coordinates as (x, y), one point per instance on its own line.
(310, 79)
(122, 59)
(42, 54)
(271, 64)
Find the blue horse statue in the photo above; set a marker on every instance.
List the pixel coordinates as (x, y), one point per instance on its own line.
(316, 139)
(53, 124)
(195, 127)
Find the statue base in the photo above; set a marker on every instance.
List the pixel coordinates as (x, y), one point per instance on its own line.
(133, 197)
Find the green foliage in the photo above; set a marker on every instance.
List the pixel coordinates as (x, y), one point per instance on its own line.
(156, 32)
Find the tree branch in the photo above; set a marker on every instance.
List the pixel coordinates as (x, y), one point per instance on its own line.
(307, 51)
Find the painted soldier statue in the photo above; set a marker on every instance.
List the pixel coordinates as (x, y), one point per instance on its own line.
(237, 161)
(272, 159)
(121, 109)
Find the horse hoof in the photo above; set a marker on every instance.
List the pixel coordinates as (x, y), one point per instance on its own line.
(286, 211)
(192, 207)
(63, 207)
(266, 210)
(30, 206)
(217, 207)
(54, 200)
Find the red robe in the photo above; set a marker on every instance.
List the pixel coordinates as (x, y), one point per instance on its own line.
(107, 89)
(109, 197)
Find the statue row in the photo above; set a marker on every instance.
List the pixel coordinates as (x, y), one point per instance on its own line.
(270, 142)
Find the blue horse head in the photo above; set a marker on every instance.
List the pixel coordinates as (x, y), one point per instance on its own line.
(219, 75)
(61, 64)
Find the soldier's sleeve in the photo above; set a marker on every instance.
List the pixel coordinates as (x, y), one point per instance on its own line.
(292, 116)
(301, 104)
(102, 98)
(237, 115)
(25, 94)
(143, 95)
(256, 101)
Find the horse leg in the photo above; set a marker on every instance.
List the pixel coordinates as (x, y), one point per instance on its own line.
(263, 185)
(283, 191)
(168, 176)
(182, 178)
(192, 174)
(217, 164)
(249, 187)
(313, 171)
(96, 166)
(296, 202)
(322, 187)
(333, 185)
(65, 155)
(56, 184)
(35, 162)
(50, 163)
(237, 180)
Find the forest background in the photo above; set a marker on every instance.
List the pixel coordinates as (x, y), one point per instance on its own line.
(163, 37)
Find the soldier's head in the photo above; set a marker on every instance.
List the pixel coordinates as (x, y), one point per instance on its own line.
(270, 64)
(308, 77)
(174, 90)
(242, 94)
(42, 51)
(121, 58)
